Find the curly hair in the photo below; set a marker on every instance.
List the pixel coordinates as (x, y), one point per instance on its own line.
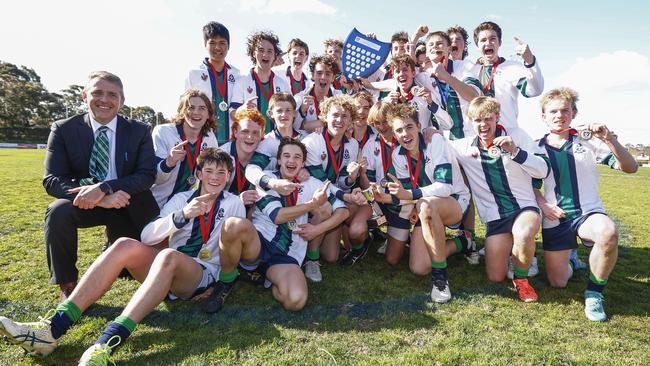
(402, 111)
(326, 60)
(397, 61)
(344, 101)
(184, 107)
(463, 33)
(253, 41)
(249, 114)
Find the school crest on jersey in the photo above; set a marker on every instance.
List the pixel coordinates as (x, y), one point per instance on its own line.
(300, 189)
(427, 160)
(346, 154)
(377, 151)
(231, 78)
(415, 105)
(277, 89)
(204, 145)
(579, 149)
(323, 156)
(311, 110)
(204, 77)
(249, 90)
(220, 214)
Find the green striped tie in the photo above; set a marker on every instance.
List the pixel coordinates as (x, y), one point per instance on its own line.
(99, 158)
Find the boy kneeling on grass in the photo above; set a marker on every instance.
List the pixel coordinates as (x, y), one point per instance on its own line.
(186, 270)
(277, 237)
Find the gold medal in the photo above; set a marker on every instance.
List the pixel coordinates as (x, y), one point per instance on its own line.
(191, 180)
(494, 152)
(292, 225)
(383, 183)
(223, 106)
(205, 254)
(585, 135)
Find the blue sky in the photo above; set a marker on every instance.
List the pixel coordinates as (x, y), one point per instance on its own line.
(599, 48)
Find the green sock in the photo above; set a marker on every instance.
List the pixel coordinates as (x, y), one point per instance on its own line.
(439, 265)
(313, 255)
(357, 246)
(125, 322)
(229, 277)
(520, 273)
(71, 310)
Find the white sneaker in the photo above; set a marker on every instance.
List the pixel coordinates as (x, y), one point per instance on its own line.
(440, 291)
(472, 254)
(35, 338)
(382, 248)
(100, 354)
(532, 271)
(312, 271)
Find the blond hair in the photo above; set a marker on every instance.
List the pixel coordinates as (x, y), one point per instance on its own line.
(482, 106)
(344, 101)
(564, 93)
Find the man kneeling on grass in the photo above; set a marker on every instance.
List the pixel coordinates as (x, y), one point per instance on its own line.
(277, 237)
(185, 270)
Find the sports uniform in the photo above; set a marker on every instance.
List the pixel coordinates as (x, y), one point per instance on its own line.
(170, 181)
(501, 186)
(428, 115)
(214, 87)
(577, 197)
(296, 86)
(279, 243)
(248, 86)
(186, 234)
(325, 163)
(433, 173)
(508, 80)
(313, 111)
(238, 182)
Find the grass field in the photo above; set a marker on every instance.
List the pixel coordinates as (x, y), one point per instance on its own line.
(365, 315)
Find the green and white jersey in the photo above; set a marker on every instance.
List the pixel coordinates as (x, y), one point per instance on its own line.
(324, 164)
(267, 208)
(296, 86)
(265, 157)
(247, 87)
(501, 185)
(572, 184)
(204, 79)
(185, 235)
(450, 101)
(510, 79)
(379, 155)
(171, 181)
(435, 173)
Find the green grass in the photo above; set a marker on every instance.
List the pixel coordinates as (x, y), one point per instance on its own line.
(365, 315)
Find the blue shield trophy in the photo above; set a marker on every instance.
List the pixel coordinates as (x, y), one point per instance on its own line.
(362, 55)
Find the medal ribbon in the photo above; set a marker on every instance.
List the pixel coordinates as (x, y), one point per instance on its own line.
(333, 159)
(414, 178)
(364, 139)
(292, 198)
(486, 88)
(206, 228)
(406, 98)
(386, 160)
(191, 160)
(241, 179)
(501, 129)
(301, 82)
(316, 102)
(220, 87)
(261, 86)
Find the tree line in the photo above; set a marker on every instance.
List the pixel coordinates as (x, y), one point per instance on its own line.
(26, 103)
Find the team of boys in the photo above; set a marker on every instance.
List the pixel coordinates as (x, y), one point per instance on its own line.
(262, 174)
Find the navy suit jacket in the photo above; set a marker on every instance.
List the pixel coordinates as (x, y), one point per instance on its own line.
(67, 160)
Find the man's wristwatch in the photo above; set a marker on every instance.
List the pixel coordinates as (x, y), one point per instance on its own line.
(104, 187)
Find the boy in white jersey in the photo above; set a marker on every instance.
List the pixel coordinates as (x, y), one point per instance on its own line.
(253, 91)
(297, 53)
(332, 156)
(361, 131)
(277, 237)
(427, 175)
(184, 270)
(503, 79)
(215, 77)
(323, 70)
(500, 164)
(178, 144)
(571, 204)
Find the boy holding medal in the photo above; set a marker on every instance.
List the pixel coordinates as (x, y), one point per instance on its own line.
(424, 174)
(254, 91)
(215, 77)
(192, 220)
(571, 204)
(503, 79)
(499, 164)
(178, 144)
(278, 234)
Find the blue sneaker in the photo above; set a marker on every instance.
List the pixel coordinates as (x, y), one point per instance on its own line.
(594, 309)
(576, 262)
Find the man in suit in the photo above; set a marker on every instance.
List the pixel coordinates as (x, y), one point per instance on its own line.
(99, 167)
